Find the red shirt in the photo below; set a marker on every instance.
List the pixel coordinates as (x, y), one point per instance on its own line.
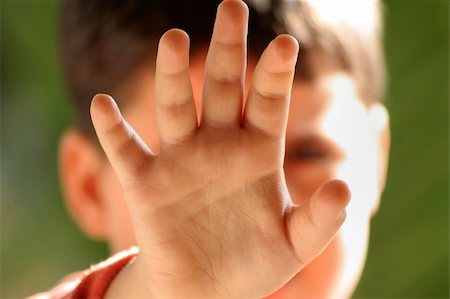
(92, 283)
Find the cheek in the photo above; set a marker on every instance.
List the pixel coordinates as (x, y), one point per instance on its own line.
(120, 233)
(360, 172)
(360, 167)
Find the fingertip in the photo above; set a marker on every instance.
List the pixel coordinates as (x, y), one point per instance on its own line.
(283, 51)
(175, 40)
(337, 191)
(102, 104)
(173, 51)
(231, 22)
(236, 8)
(104, 109)
(286, 46)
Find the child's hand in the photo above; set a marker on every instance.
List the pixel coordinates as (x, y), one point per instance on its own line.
(211, 212)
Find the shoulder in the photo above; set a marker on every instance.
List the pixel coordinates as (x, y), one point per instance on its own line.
(91, 283)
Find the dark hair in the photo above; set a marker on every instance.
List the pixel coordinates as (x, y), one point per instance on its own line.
(104, 41)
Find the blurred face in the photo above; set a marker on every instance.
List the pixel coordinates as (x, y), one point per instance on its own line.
(330, 135)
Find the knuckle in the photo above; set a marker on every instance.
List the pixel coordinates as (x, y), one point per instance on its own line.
(272, 97)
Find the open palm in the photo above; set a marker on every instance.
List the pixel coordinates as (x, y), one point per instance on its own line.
(211, 212)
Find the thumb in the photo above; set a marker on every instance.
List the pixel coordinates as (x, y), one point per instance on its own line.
(125, 149)
(312, 226)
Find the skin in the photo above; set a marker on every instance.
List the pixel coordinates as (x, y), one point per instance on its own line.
(231, 208)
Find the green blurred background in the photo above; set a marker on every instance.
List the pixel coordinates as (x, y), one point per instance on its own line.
(409, 249)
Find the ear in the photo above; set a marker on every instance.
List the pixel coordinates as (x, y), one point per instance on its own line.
(379, 117)
(79, 170)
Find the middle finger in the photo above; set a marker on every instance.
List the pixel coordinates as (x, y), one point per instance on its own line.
(225, 65)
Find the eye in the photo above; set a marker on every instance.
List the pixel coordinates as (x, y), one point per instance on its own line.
(307, 154)
(313, 150)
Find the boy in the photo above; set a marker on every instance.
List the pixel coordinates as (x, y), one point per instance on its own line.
(230, 197)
